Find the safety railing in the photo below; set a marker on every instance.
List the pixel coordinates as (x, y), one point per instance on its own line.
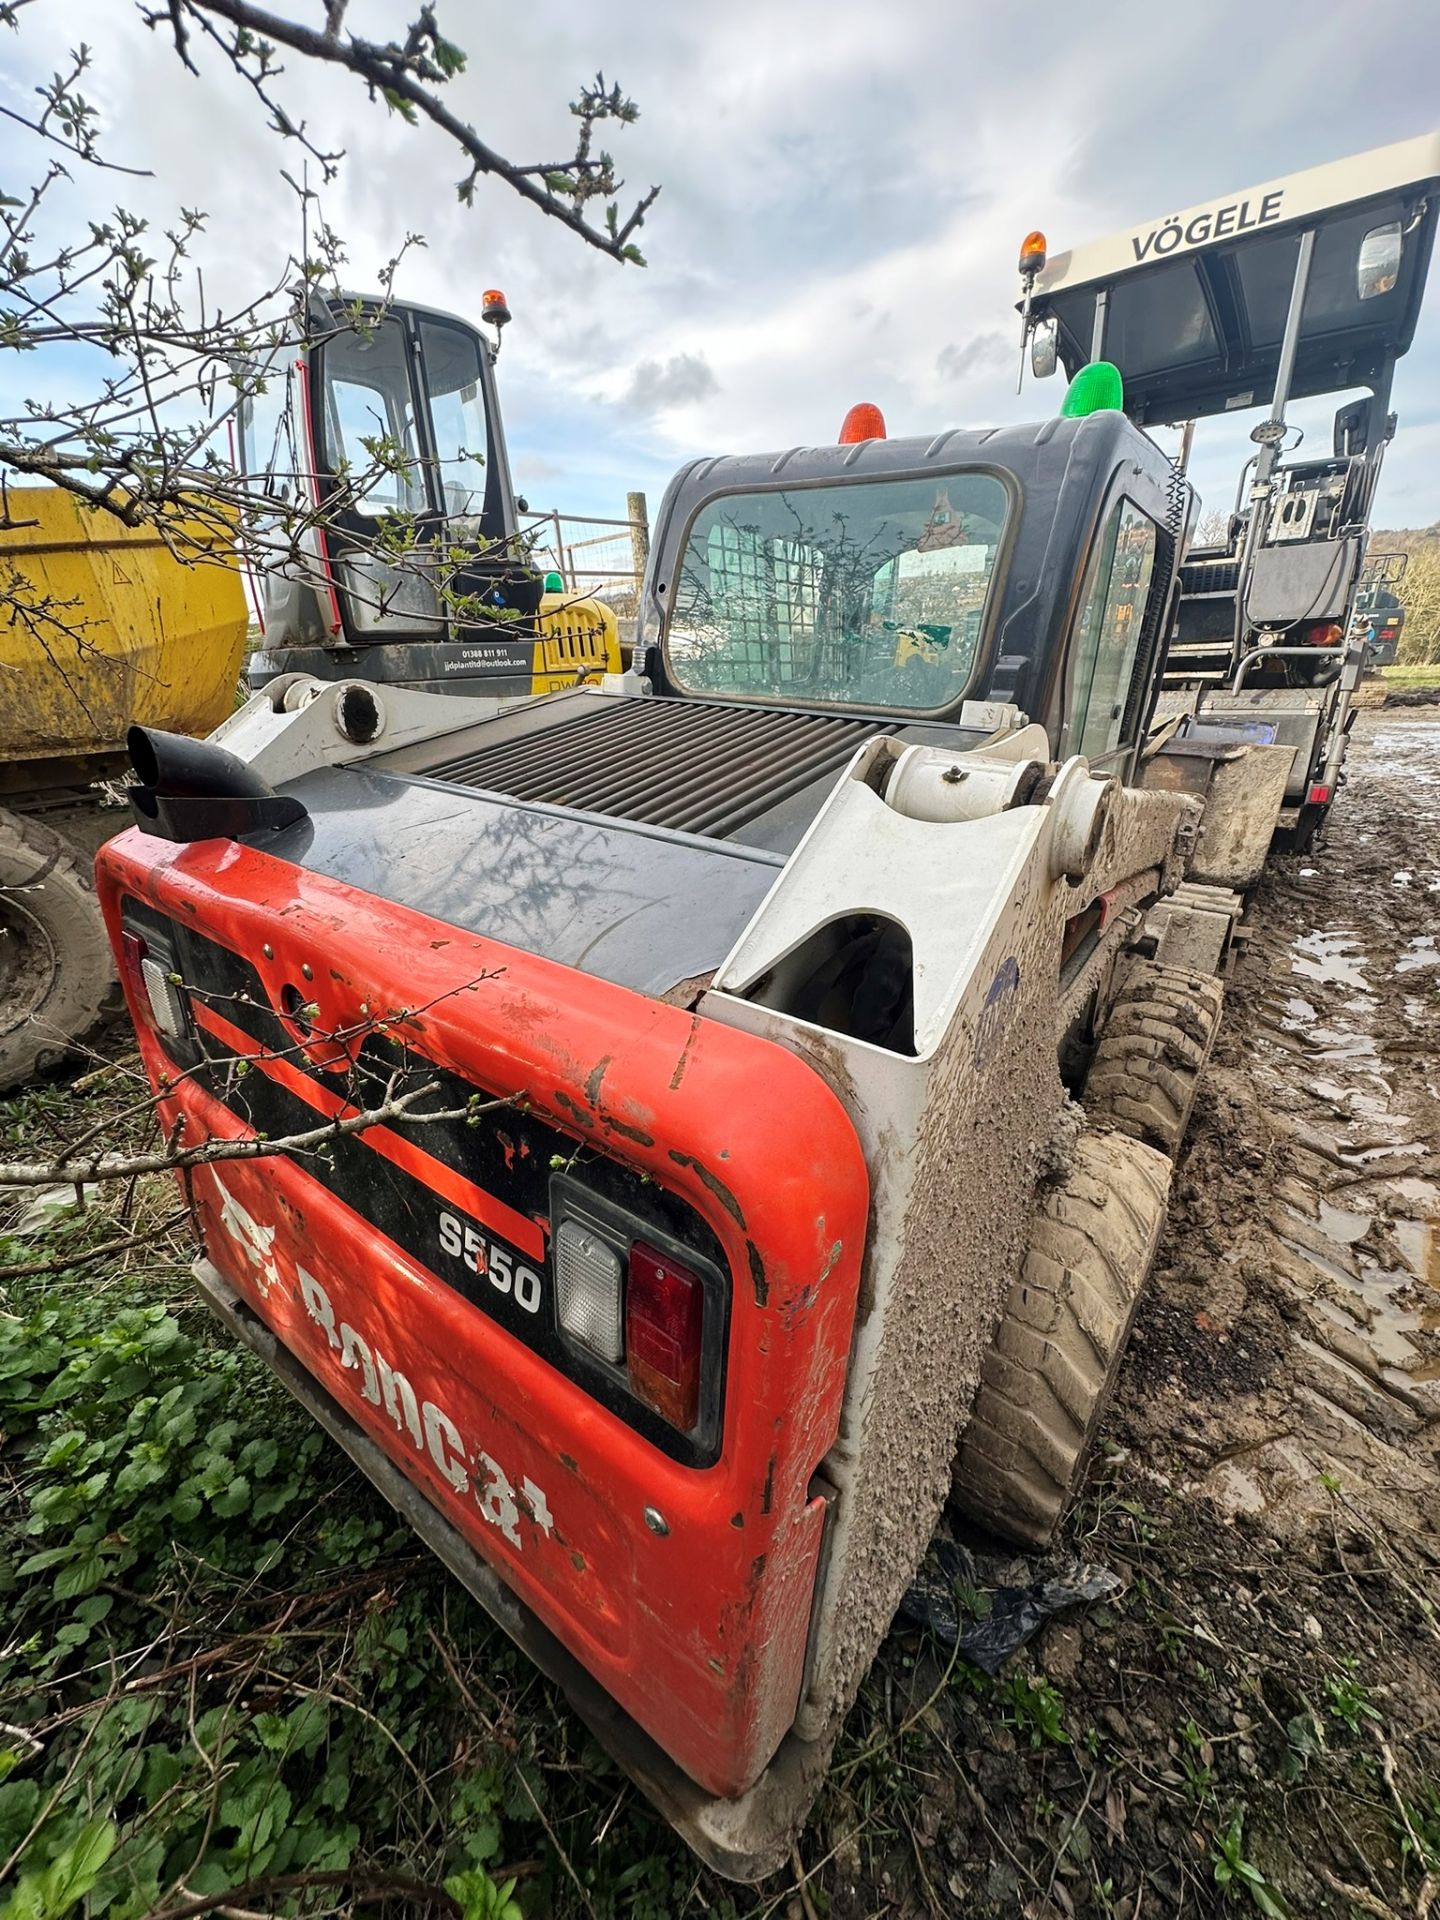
(591, 554)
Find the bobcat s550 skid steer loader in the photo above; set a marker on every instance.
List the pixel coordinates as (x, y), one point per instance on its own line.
(798, 1027)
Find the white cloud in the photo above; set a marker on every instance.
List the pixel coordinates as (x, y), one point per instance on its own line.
(658, 386)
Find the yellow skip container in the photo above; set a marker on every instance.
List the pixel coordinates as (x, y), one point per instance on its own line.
(123, 624)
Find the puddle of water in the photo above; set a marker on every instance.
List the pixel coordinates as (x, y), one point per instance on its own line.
(1401, 879)
(1298, 1012)
(1342, 1043)
(1332, 1269)
(1419, 1247)
(1331, 955)
(1422, 953)
(1388, 1339)
(1343, 1223)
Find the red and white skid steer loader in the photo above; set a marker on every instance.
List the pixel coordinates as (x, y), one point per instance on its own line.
(778, 1050)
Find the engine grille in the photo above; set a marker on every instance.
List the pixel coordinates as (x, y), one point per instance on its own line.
(695, 766)
(1210, 576)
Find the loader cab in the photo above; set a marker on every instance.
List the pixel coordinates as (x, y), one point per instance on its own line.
(387, 545)
(927, 583)
(1303, 287)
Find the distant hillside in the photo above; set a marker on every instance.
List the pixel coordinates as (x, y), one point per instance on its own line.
(1419, 590)
(1405, 539)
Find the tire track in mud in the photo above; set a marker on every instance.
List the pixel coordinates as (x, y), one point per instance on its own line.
(1292, 1329)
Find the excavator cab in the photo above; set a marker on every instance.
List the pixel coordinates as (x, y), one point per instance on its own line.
(386, 544)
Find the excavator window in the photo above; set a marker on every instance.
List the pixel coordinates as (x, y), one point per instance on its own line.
(451, 359)
(369, 419)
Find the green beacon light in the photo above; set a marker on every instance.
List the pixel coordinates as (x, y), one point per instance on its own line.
(554, 583)
(1096, 388)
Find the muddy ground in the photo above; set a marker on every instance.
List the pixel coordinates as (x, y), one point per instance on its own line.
(1255, 1725)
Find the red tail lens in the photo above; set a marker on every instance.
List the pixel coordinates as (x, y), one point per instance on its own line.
(864, 421)
(132, 953)
(664, 1325)
(1318, 796)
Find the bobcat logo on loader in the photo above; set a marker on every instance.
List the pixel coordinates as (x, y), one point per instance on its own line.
(429, 1428)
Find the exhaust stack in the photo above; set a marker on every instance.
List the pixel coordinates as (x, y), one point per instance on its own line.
(193, 790)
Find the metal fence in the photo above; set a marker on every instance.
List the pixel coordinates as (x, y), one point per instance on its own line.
(591, 555)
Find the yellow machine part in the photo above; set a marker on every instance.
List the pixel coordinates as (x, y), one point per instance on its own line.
(577, 639)
(124, 630)
(912, 645)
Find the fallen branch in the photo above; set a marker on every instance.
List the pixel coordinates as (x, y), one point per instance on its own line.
(115, 1166)
(62, 1262)
(363, 1887)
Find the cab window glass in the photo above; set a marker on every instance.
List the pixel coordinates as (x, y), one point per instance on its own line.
(369, 418)
(867, 594)
(457, 414)
(1112, 616)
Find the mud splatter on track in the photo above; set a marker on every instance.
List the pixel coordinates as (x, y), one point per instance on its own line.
(1293, 1327)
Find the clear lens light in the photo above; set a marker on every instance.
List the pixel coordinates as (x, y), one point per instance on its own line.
(167, 1002)
(588, 1292)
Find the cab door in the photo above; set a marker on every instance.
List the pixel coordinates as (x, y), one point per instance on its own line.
(1109, 651)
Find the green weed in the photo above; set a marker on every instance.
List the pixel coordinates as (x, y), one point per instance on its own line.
(1237, 1876)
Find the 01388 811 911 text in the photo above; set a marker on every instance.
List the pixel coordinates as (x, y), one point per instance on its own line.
(430, 1429)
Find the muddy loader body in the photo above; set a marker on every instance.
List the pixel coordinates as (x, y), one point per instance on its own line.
(1304, 286)
(750, 1083)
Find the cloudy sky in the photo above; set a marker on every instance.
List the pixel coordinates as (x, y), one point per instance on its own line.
(844, 189)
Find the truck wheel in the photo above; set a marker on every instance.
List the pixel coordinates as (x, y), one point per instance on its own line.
(1151, 1053)
(1049, 1375)
(55, 968)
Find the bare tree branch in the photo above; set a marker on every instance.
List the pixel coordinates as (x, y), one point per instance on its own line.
(69, 1170)
(405, 75)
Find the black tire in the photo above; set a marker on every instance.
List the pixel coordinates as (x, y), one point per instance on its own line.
(1051, 1370)
(56, 976)
(1151, 1053)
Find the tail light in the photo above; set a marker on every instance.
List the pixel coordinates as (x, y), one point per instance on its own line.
(162, 991)
(1319, 795)
(664, 1328)
(588, 1273)
(645, 1316)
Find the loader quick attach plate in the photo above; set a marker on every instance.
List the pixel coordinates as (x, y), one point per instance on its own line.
(404, 1274)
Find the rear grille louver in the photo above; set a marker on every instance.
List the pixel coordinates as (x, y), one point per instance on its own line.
(692, 766)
